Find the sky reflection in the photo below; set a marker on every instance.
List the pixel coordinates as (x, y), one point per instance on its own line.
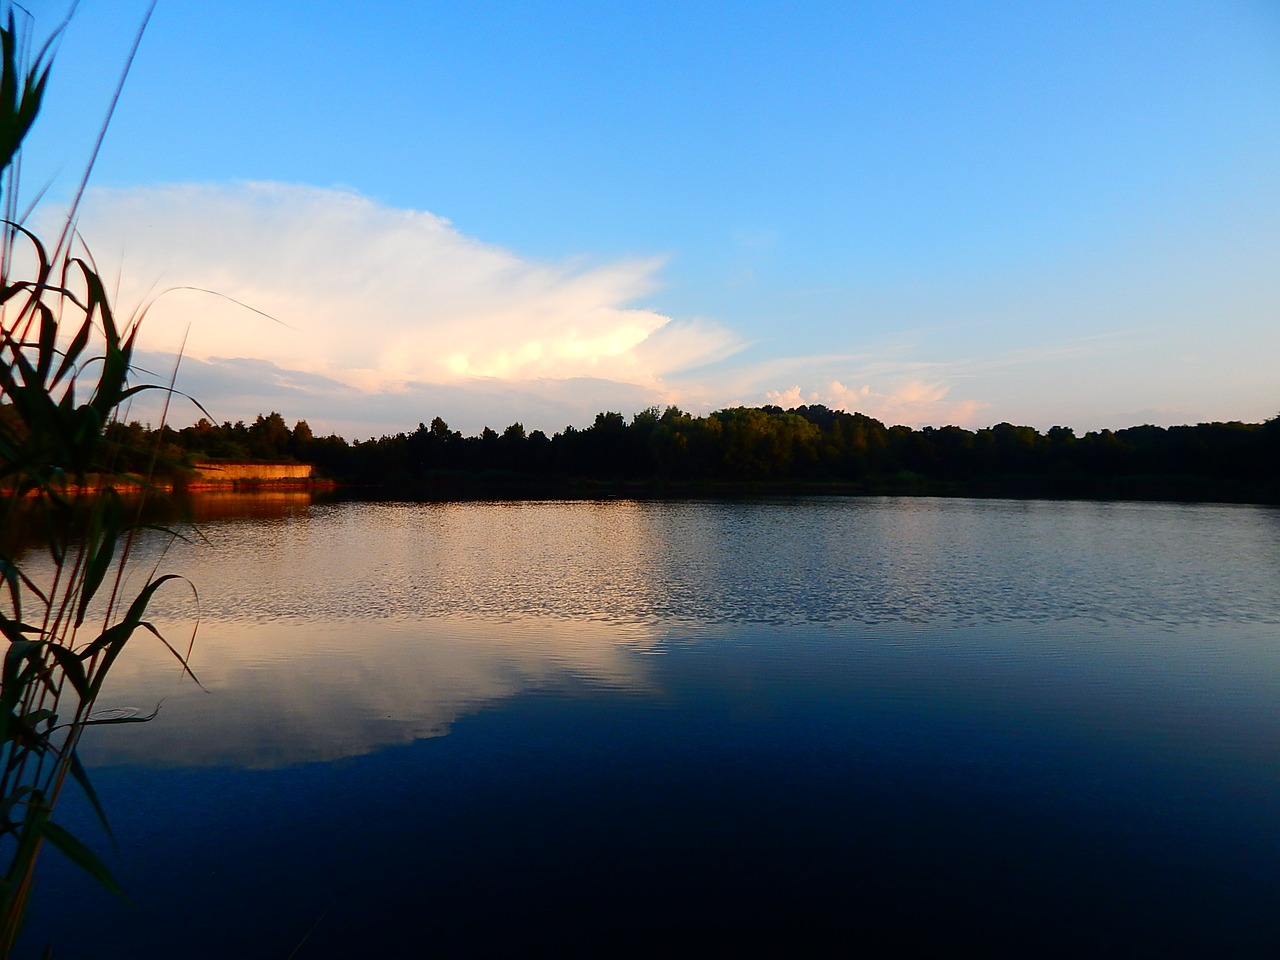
(329, 631)
(292, 692)
(1053, 724)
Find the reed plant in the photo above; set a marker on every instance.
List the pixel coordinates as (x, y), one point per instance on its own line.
(70, 600)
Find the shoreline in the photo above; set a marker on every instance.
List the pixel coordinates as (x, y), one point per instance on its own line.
(467, 487)
(464, 487)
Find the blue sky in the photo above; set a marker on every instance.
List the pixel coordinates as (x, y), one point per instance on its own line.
(930, 212)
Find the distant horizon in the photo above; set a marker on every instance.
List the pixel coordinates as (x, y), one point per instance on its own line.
(630, 416)
(671, 453)
(1022, 213)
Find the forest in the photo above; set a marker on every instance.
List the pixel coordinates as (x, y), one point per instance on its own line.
(747, 449)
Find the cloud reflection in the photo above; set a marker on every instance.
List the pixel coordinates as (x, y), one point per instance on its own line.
(289, 692)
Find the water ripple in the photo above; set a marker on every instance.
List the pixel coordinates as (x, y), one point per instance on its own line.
(768, 562)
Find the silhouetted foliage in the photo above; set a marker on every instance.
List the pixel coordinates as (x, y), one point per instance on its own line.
(808, 447)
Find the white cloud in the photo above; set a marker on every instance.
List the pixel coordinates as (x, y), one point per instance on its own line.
(385, 317)
(388, 317)
(885, 383)
(376, 298)
(914, 402)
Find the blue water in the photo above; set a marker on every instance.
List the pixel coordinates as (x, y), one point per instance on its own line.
(886, 725)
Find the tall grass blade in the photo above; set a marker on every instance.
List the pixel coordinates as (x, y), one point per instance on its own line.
(82, 778)
(66, 369)
(80, 855)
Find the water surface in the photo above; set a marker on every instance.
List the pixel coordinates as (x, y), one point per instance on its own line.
(1035, 727)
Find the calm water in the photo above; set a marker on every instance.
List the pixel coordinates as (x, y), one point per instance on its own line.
(469, 729)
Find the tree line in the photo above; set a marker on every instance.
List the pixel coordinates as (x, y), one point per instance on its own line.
(761, 448)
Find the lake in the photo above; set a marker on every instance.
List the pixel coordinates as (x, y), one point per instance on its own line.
(808, 725)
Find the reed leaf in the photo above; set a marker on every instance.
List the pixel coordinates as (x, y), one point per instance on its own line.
(17, 109)
(79, 854)
(66, 369)
(82, 778)
(104, 533)
(72, 668)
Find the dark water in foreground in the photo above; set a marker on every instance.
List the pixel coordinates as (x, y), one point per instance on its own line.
(817, 725)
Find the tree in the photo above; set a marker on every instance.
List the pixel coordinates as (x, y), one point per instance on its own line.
(269, 437)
